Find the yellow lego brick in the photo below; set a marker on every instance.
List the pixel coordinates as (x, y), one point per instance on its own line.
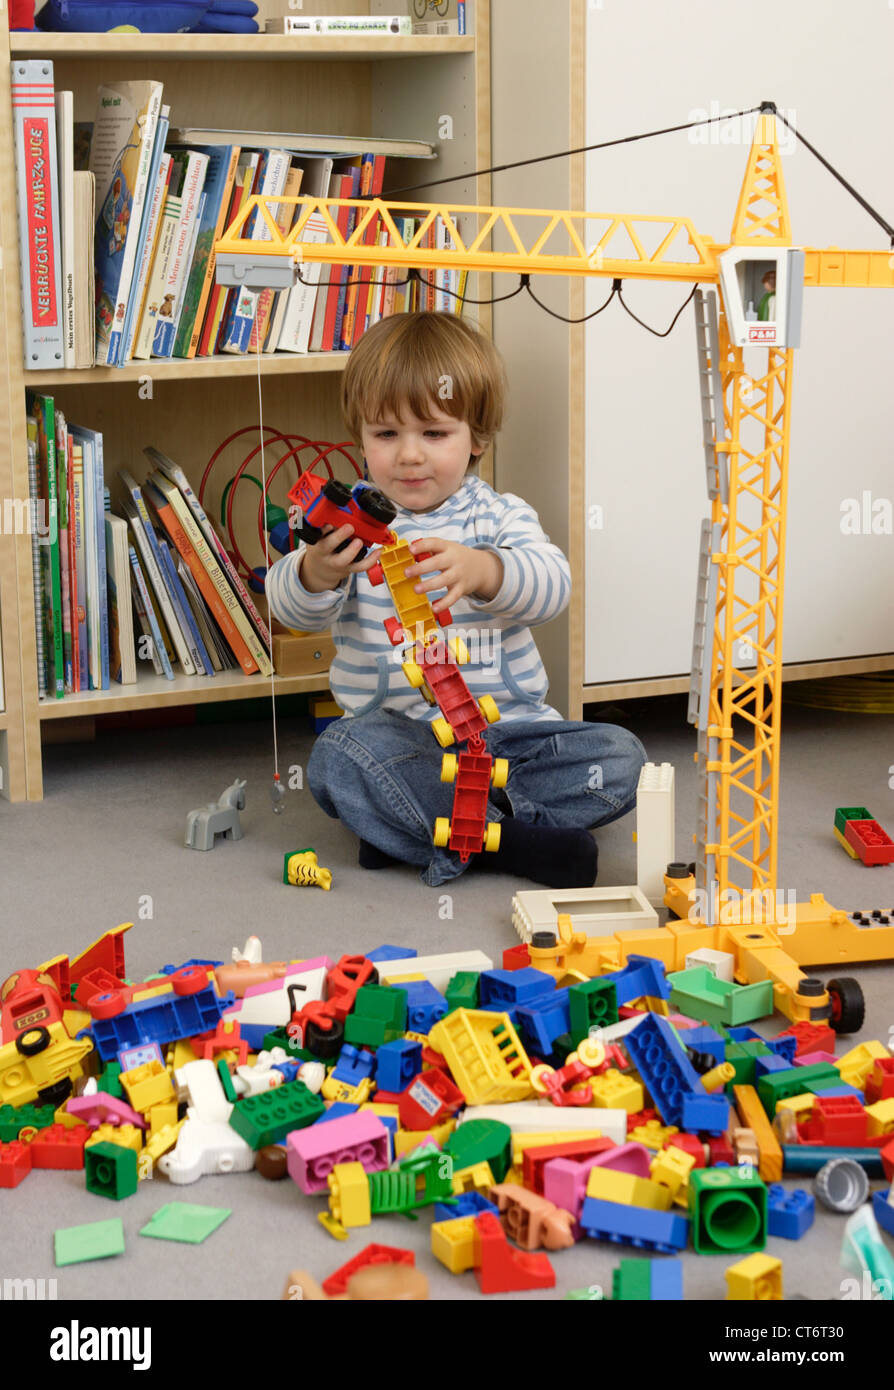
(609, 1185)
(322, 708)
(333, 1089)
(157, 1144)
(178, 1055)
(757, 1278)
(453, 1243)
(671, 1168)
(477, 1178)
(856, 1065)
(76, 1019)
(147, 1085)
(653, 1134)
(881, 1117)
(845, 844)
(614, 1091)
(799, 1105)
(405, 979)
(484, 1053)
(753, 1115)
(385, 1112)
(418, 1037)
(161, 1115)
(62, 1117)
(128, 1136)
(405, 1140)
(349, 1195)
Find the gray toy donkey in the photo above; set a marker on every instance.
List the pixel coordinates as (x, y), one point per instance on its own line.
(217, 818)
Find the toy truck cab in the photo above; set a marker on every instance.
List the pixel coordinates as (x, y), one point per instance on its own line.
(40, 1065)
(28, 999)
(332, 503)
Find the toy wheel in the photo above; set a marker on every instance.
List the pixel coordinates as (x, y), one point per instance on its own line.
(109, 1005)
(492, 836)
(539, 1075)
(448, 767)
(32, 1041)
(460, 651)
(441, 837)
(374, 504)
(339, 494)
(324, 1043)
(488, 706)
(393, 628)
(848, 1006)
(375, 574)
(414, 674)
(189, 980)
(591, 1052)
(445, 617)
(499, 773)
(56, 1095)
(442, 732)
(308, 533)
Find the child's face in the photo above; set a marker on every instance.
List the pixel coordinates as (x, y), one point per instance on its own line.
(419, 463)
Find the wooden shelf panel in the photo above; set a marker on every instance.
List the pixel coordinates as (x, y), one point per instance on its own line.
(151, 692)
(181, 368)
(235, 47)
(3, 719)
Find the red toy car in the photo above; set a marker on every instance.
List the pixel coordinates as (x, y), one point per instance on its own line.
(29, 1000)
(335, 504)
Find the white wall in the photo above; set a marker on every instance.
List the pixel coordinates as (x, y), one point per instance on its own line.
(652, 64)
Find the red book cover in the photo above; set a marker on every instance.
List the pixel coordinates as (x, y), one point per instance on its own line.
(342, 222)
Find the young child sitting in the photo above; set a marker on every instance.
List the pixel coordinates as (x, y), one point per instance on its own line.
(423, 394)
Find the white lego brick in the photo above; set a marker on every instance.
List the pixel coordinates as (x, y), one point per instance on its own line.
(534, 1117)
(596, 911)
(198, 1083)
(206, 1146)
(439, 970)
(654, 828)
(720, 963)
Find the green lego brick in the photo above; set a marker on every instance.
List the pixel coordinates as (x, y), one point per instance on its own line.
(744, 1063)
(632, 1282)
(226, 1080)
(95, 1241)
(482, 1141)
(845, 813)
(279, 1037)
(369, 1032)
(699, 994)
(183, 1221)
(728, 1210)
(111, 1170)
(777, 1085)
(379, 1016)
(13, 1119)
(563, 1046)
(109, 1082)
(592, 1004)
(269, 1117)
(462, 991)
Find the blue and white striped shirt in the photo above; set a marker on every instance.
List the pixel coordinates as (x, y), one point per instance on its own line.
(505, 663)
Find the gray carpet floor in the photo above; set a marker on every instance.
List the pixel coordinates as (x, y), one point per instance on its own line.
(106, 846)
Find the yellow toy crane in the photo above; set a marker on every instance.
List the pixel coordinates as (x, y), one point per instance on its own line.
(747, 295)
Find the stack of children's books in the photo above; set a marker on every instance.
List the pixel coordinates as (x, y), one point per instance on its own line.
(149, 581)
(163, 197)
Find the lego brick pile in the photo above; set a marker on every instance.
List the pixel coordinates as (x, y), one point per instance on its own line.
(527, 1113)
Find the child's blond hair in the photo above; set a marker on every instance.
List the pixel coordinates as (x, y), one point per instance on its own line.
(422, 361)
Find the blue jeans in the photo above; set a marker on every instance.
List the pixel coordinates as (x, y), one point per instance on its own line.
(380, 773)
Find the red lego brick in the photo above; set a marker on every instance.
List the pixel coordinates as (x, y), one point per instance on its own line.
(690, 1144)
(105, 954)
(429, 1099)
(812, 1037)
(872, 843)
(880, 1082)
(516, 957)
(16, 1162)
(430, 1058)
(640, 1117)
(225, 1036)
(535, 1159)
(838, 1120)
(499, 1268)
(887, 1157)
(720, 1150)
(372, 1255)
(60, 1147)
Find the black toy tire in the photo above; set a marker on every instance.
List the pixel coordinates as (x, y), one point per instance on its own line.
(309, 534)
(40, 1043)
(375, 504)
(55, 1095)
(324, 1045)
(848, 1005)
(338, 493)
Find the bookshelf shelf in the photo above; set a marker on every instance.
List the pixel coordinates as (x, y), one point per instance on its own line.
(152, 692)
(178, 369)
(236, 47)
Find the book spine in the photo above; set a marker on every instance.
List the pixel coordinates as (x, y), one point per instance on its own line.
(136, 229)
(285, 216)
(36, 572)
(100, 535)
(62, 450)
(218, 231)
(65, 149)
(238, 332)
(190, 258)
(155, 294)
(55, 681)
(143, 603)
(369, 239)
(37, 184)
(355, 276)
(82, 677)
(147, 261)
(151, 556)
(148, 228)
(201, 659)
(163, 342)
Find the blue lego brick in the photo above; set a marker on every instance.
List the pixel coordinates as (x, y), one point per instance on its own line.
(705, 1039)
(466, 1204)
(764, 1065)
(666, 1071)
(841, 1088)
(354, 1065)
(626, 1225)
(397, 1063)
(666, 1281)
(425, 1005)
(391, 953)
(784, 1047)
(163, 1019)
(704, 1111)
(883, 1211)
(510, 988)
(642, 975)
(337, 1110)
(169, 969)
(254, 1034)
(743, 1032)
(789, 1214)
(545, 1020)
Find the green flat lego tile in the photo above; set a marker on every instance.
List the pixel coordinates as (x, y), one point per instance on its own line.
(98, 1240)
(184, 1221)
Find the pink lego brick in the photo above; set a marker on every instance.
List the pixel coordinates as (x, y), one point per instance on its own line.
(807, 1059)
(565, 1181)
(101, 1109)
(314, 1152)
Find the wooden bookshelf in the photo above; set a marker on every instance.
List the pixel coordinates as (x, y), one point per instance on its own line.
(363, 86)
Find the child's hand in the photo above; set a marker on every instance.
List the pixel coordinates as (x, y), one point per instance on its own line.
(322, 569)
(460, 569)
